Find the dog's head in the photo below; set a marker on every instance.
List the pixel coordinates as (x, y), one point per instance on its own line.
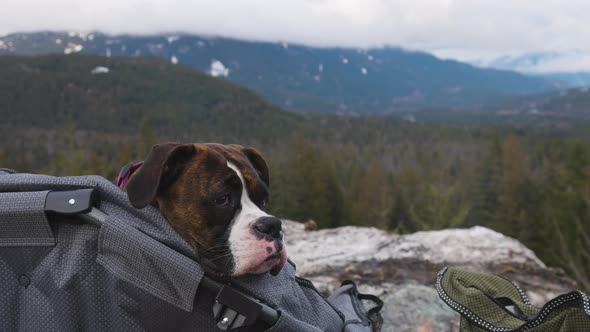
(214, 196)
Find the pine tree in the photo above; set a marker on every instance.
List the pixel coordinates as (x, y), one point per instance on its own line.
(314, 192)
(511, 215)
(486, 190)
(399, 217)
(370, 197)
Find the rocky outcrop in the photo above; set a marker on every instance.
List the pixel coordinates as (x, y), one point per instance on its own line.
(401, 269)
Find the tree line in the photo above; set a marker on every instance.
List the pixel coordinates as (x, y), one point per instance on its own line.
(527, 186)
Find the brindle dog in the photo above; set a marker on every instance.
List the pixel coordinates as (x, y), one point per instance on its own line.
(214, 196)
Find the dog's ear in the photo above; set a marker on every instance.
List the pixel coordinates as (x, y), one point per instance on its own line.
(161, 167)
(259, 164)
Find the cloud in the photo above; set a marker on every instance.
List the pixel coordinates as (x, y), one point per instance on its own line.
(458, 27)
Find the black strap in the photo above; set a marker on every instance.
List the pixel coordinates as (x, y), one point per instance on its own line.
(234, 309)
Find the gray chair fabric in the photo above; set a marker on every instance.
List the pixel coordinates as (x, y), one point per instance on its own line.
(133, 272)
(23, 221)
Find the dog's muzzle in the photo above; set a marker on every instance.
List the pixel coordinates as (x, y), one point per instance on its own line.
(270, 229)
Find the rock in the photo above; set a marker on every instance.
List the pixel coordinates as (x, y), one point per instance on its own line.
(310, 225)
(420, 310)
(401, 269)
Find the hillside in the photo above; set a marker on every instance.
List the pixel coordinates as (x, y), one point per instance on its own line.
(579, 79)
(569, 103)
(305, 78)
(116, 94)
(567, 111)
(537, 63)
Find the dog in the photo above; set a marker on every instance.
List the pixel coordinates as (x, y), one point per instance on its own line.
(215, 197)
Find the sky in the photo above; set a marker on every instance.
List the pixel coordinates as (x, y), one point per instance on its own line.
(478, 31)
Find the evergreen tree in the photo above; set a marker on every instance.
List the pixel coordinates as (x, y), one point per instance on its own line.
(370, 197)
(314, 190)
(437, 209)
(486, 191)
(399, 217)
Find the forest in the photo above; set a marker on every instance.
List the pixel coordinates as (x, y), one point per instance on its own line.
(529, 183)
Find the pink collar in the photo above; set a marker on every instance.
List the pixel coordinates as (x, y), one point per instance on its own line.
(126, 172)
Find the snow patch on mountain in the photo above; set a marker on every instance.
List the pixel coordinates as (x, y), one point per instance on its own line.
(6, 45)
(218, 69)
(172, 39)
(81, 35)
(73, 48)
(100, 70)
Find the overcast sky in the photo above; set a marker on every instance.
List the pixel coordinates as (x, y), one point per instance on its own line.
(475, 30)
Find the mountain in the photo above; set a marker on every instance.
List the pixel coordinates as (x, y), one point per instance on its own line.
(575, 79)
(568, 104)
(528, 62)
(553, 66)
(304, 78)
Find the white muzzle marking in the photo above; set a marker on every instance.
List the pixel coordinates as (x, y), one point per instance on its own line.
(248, 251)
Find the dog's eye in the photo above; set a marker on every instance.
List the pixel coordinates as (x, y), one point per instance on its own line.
(223, 200)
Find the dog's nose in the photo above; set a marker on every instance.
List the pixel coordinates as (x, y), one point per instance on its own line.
(270, 226)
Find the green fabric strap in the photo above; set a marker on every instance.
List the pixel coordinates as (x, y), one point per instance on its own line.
(488, 302)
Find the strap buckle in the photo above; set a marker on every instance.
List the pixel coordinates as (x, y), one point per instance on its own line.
(233, 309)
